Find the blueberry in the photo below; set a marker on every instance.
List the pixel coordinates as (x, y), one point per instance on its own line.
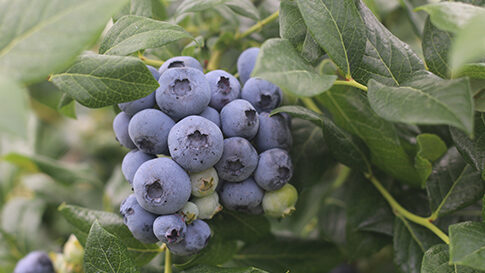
(170, 228)
(238, 161)
(182, 92)
(133, 107)
(274, 169)
(262, 94)
(138, 220)
(208, 205)
(196, 238)
(132, 161)
(246, 62)
(274, 132)
(280, 203)
(195, 143)
(120, 127)
(239, 118)
(189, 212)
(161, 186)
(245, 196)
(149, 130)
(204, 183)
(180, 61)
(35, 262)
(224, 88)
(212, 115)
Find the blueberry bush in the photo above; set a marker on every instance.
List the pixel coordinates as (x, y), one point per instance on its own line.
(242, 136)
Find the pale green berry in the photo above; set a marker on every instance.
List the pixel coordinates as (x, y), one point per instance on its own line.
(190, 212)
(280, 203)
(208, 205)
(73, 251)
(204, 183)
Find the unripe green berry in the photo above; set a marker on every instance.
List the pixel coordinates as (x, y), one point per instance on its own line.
(190, 212)
(280, 203)
(204, 183)
(208, 205)
(73, 251)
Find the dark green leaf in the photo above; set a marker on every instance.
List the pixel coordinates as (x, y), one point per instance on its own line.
(480, 101)
(279, 63)
(50, 35)
(67, 106)
(244, 8)
(453, 184)
(467, 244)
(148, 8)
(425, 100)
(281, 255)
(436, 45)
(98, 80)
(218, 251)
(59, 171)
(337, 28)
(451, 16)
(13, 107)
(292, 26)
(352, 112)
(83, 218)
(106, 253)
(299, 112)
(133, 33)
(430, 148)
(231, 225)
(311, 51)
(214, 269)
(411, 241)
(472, 150)
(436, 260)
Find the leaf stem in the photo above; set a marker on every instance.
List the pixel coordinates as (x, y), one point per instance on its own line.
(258, 26)
(168, 262)
(308, 102)
(148, 61)
(352, 83)
(402, 212)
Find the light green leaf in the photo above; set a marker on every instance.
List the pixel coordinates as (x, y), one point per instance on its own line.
(472, 70)
(467, 244)
(50, 35)
(279, 63)
(337, 28)
(244, 7)
(99, 80)
(430, 148)
(451, 16)
(195, 46)
(105, 252)
(148, 8)
(67, 106)
(436, 45)
(436, 260)
(132, 33)
(468, 45)
(426, 100)
(197, 5)
(453, 185)
(299, 112)
(13, 107)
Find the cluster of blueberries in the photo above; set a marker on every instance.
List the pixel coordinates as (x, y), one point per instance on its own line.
(215, 141)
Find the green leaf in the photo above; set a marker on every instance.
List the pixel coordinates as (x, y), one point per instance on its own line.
(148, 8)
(299, 112)
(472, 70)
(467, 244)
(197, 5)
(292, 26)
(215, 269)
(13, 107)
(352, 112)
(244, 8)
(430, 148)
(98, 80)
(468, 43)
(83, 218)
(237, 226)
(279, 63)
(311, 51)
(337, 28)
(218, 251)
(436, 260)
(133, 33)
(386, 59)
(67, 106)
(295, 255)
(453, 185)
(56, 26)
(425, 100)
(451, 16)
(190, 48)
(436, 45)
(59, 171)
(411, 241)
(106, 253)
(472, 150)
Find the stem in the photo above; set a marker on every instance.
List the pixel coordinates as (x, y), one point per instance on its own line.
(150, 61)
(308, 102)
(341, 177)
(402, 212)
(352, 83)
(258, 26)
(214, 60)
(168, 262)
